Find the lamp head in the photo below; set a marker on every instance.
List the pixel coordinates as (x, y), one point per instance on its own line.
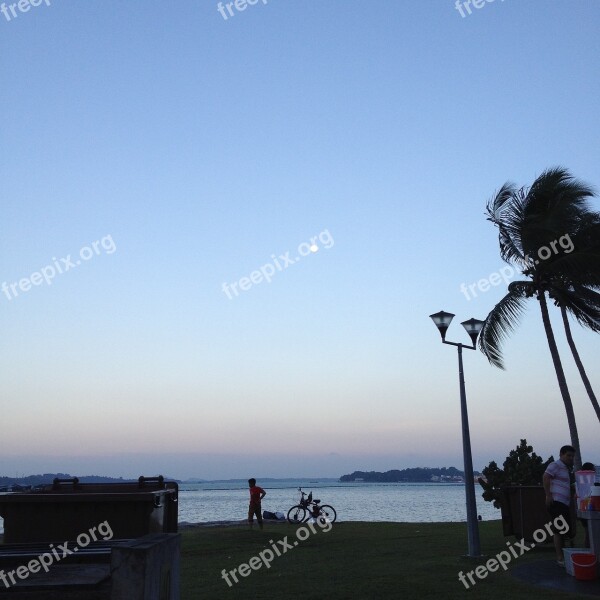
(473, 327)
(442, 321)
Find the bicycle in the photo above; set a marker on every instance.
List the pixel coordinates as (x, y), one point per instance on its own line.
(308, 508)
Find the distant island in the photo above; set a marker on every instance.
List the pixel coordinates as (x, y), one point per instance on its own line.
(415, 475)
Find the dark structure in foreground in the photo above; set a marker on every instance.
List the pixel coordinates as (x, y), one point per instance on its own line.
(72, 540)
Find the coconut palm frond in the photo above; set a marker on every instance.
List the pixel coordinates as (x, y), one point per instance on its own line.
(582, 303)
(578, 267)
(503, 320)
(557, 195)
(556, 206)
(505, 211)
(588, 233)
(510, 248)
(497, 204)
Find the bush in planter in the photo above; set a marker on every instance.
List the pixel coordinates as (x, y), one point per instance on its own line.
(521, 467)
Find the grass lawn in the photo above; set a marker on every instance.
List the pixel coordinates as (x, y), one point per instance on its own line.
(352, 560)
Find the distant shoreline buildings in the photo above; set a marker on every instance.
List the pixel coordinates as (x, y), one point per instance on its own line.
(413, 475)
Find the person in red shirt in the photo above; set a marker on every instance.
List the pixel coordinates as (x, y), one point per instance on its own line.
(256, 495)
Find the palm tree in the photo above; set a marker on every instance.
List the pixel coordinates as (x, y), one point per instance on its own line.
(577, 358)
(567, 293)
(530, 220)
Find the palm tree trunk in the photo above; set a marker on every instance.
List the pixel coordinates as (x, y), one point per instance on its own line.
(584, 377)
(562, 381)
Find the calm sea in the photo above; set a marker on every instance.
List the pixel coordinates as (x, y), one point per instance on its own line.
(408, 502)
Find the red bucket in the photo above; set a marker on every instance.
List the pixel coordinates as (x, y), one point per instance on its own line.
(584, 566)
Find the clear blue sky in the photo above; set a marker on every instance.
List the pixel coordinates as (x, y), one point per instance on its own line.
(197, 148)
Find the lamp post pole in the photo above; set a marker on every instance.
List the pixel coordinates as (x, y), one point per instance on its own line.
(473, 327)
(472, 525)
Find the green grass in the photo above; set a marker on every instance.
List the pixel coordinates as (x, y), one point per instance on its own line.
(353, 560)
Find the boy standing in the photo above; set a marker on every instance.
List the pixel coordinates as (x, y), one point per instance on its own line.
(256, 495)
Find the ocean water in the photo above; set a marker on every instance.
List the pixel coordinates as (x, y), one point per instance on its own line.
(408, 502)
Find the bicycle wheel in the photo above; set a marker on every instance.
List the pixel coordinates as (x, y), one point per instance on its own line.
(296, 514)
(327, 514)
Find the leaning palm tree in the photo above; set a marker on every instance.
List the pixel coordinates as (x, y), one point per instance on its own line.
(578, 362)
(568, 294)
(529, 221)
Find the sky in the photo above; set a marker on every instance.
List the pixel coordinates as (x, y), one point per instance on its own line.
(225, 231)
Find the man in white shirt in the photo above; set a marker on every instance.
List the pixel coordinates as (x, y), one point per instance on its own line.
(557, 485)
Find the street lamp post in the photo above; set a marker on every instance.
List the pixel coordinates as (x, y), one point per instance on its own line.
(442, 321)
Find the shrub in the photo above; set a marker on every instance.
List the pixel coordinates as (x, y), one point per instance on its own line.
(521, 467)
